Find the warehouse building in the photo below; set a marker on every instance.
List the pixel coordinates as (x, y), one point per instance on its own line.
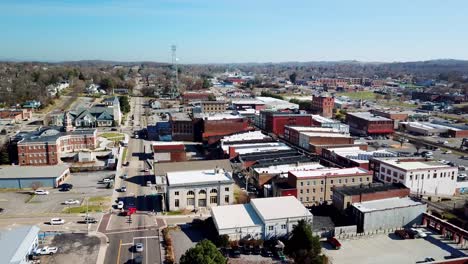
(25, 176)
(388, 213)
(17, 245)
(263, 218)
(367, 124)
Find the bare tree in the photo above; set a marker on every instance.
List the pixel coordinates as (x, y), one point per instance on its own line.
(36, 185)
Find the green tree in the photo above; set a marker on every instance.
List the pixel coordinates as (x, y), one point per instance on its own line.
(211, 97)
(206, 83)
(292, 77)
(302, 246)
(205, 252)
(107, 84)
(4, 157)
(124, 104)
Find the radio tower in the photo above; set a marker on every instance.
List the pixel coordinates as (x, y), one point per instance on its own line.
(175, 84)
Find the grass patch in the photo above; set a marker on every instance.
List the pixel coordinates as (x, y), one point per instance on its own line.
(99, 199)
(399, 104)
(82, 209)
(113, 136)
(173, 213)
(124, 155)
(365, 95)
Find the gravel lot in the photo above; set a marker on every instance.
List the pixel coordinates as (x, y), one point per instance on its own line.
(383, 249)
(74, 248)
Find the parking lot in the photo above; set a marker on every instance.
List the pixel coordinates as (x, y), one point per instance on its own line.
(85, 185)
(73, 248)
(387, 248)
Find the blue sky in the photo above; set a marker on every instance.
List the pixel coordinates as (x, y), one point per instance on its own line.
(234, 31)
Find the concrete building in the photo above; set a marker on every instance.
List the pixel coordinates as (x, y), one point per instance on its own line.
(211, 107)
(46, 146)
(263, 218)
(387, 214)
(321, 121)
(354, 156)
(316, 186)
(424, 178)
(345, 196)
(191, 190)
(323, 105)
(15, 177)
(367, 124)
(16, 115)
(18, 244)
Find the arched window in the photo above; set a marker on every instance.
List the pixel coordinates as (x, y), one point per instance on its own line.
(190, 193)
(202, 192)
(214, 191)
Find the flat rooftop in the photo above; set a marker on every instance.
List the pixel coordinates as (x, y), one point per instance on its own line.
(161, 169)
(179, 116)
(25, 172)
(322, 119)
(235, 216)
(368, 116)
(197, 176)
(15, 243)
(329, 172)
(260, 147)
(279, 208)
(385, 204)
(360, 156)
(415, 165)
(369, 188)
(285, 168)
(321, 134)
(217, 116)
(250, 135)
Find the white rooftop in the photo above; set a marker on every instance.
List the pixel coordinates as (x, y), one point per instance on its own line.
(313, 129)
(166, 143)
(322, 134)
(361, 156)
(368, 116)
(218, 116)
(278, 104)
(415, 165)
(235, 216)
(251, 135)
(329, 172)
(197, 176)
(257, 147)
(279, 208)
(284, 169)
(322, 119)
(384, 204)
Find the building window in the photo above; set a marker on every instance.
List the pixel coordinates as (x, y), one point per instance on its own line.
(321, 182)
(226, 198)
(176, 193)
(214, 191)
(190, 201)
(434, 176)
(331, 181)
(360, 179)
(307, 190)
(176, 202)
(321, 189)
(367, 179)
(352, 180)
(307, 198)
(339, 181)
(214, 199)
(302, 191)
(308, 182)
(283, 226)
(313, 190)
(190, 193)
(270, 228)
(226, 189)
(302, 183)
(411, 177)
(201, 202)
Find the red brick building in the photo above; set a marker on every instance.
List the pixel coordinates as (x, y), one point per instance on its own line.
(344, 197)
(198, 96)
(182, 127)
(367, 124)
(45, 147)
(15, 114)
(169, 152)
(323, 105)
(275, 122)
(215, 127)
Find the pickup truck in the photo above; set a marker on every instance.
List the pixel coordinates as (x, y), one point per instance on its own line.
(46, 250)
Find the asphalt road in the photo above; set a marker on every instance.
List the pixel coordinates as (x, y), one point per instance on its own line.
(121, 248)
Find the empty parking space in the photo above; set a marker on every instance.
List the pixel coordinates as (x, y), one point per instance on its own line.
(390, 249)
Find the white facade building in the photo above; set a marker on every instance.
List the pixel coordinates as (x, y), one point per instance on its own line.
(422, 177)
(264, 218)
(199, 189)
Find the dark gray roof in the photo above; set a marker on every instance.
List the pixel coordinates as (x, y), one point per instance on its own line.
(51, 134)
(15, 172)
(15, 243)
(161, 169)
(368, 188)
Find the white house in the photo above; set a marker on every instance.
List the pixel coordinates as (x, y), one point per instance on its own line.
(422, 177)
(264, 218)
(199, 189)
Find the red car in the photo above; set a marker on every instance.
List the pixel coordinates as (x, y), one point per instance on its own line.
(334, 242)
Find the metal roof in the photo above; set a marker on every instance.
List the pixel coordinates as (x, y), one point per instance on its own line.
(279, 208)
(386, 204)
(15, 243)
(235, 216)
(161, 169)
(368, 188)
(14, 172)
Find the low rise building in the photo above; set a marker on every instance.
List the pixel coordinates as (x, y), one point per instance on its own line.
(190, 190)
(396, 116)
(321, 121)
(182, 128)
(169, 151)
(16, 114)
(367, 124)
(216, 126)
(355, 156)
(211, 107)
(345, 196)
(424, 178)
(316, 186)
(386, 214)
(18, 244)
(323, 105)
(263, 218)
(14, 177)
(275, 122)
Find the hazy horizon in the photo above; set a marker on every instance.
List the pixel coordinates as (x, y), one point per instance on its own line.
(219, 32)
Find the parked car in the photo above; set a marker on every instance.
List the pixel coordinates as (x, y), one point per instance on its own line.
(402, 234)
(41, 192)
(419, 233)
(66, 186)
(148, 183)
(46, 251)
(57, 221)
(90, 220)
(123, 188)
(334, 242)
(139, 247)
(120, 205)
(107, 180)
(71, 201)
(138, 259)
(124, 176)
(447, 152)
(257, 250)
